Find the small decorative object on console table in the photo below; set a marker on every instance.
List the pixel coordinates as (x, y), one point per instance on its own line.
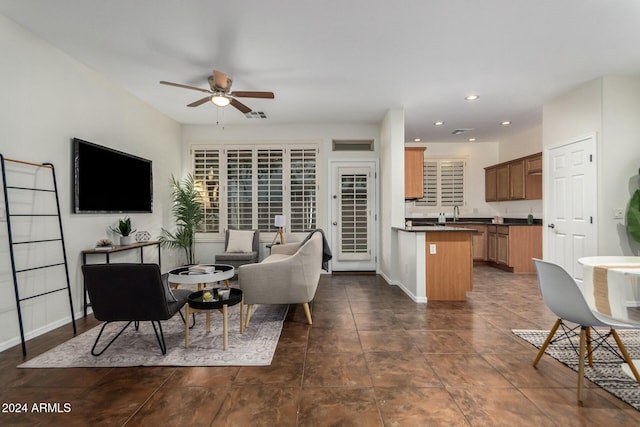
(104, 245)
(142, 236)
(124, 229)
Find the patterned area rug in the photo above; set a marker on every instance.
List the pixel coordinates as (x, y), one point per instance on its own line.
(606, 371)
(140, 348)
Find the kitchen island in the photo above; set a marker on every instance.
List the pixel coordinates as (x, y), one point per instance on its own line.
(437, 262)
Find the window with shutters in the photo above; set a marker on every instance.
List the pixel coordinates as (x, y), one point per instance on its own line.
(443, 183)
(302, 180)
(206, 174)
(245, 187)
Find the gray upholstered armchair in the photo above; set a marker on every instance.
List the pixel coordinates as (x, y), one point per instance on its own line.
(289, 275)
(131, 293)
(241, 247)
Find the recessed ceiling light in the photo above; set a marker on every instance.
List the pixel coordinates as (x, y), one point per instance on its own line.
(471, 97)
(472, 139)
(438, 123)
(505, 123)
(416, 140)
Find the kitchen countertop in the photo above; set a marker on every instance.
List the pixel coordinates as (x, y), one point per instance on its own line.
(430, 228)
(418, 222)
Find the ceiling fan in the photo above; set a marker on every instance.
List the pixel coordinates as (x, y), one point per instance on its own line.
(220, 93)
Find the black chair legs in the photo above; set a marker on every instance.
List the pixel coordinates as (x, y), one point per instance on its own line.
(157, 331)
(95, 344)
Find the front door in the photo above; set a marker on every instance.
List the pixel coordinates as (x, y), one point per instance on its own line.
(570, 204)
(353, 216)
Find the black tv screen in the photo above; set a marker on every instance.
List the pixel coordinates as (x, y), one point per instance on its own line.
(110, 181)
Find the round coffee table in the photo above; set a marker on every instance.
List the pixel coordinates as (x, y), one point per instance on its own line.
(182, 275)
(196, 304)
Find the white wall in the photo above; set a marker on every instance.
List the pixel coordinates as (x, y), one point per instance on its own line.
(47, 99)
(322, 134)
(608, 107)
(392, 191)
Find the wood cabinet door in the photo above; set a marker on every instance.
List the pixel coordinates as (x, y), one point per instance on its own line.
(413, 171)
(492, 246)
(502, 250)
(534, 164)
(502, 182)
(516, 180)
(490, 185)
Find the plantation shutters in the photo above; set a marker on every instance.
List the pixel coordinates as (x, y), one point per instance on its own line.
(443, 183)
(206, 174)
(303, 187)
(270, 187)
(353, 239)
(240, 189)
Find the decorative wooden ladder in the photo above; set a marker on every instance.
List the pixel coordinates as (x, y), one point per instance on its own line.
(18, 272)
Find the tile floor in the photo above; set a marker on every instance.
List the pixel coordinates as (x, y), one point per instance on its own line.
(371, 358)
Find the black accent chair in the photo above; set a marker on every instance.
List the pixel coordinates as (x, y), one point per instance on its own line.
(131, 293)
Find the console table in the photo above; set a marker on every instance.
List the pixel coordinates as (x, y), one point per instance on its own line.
(108, 252)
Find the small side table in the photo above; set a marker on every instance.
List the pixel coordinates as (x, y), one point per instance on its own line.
(181, 276)
(195, 304)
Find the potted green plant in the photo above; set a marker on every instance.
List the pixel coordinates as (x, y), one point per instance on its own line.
(188, 213)
(633, 215)
(124, 229)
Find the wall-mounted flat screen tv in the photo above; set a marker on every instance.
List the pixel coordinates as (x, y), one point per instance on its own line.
(110, 181)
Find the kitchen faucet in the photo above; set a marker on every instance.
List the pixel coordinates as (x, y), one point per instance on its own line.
(456, 212)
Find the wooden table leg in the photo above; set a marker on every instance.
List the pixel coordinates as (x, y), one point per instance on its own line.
(186, 327)
(226, 282)
(224, 326)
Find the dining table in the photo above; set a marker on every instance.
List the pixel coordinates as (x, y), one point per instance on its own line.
(611, 287)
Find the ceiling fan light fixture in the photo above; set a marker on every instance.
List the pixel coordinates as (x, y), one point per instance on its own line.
(220, 100)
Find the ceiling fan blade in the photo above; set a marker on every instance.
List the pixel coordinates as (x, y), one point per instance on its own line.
(199, 102)
(185, 86)
(249, 94)
(220, 79)
(240, 106)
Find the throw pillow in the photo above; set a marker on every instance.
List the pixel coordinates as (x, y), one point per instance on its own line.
(240, 241)
(168, 294)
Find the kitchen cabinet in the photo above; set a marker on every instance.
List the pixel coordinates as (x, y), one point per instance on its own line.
(413, 171)
(516, 180)
(492, 244)
(479, 241)
(533, 178)
(491, 185)
(502, 182)
(519, 179)
(511, 247)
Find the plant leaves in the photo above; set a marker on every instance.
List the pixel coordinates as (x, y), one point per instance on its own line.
(633, 216)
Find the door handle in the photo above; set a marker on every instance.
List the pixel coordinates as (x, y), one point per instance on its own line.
(551, 226)
(335, 222)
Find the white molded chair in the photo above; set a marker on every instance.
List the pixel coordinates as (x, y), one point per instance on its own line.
(561, 294)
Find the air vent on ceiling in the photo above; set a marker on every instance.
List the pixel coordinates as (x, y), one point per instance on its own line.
(256, 115)
(460, 131)
(352, 144)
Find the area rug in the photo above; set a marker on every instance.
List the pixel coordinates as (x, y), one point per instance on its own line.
(606, 371)
(140, 348)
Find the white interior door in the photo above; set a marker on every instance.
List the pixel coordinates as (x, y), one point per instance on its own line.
(353, 217)
(571, 204)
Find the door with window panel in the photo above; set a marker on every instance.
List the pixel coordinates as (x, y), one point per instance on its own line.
(353, 219)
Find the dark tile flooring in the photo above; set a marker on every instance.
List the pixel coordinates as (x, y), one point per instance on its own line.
(371, 358)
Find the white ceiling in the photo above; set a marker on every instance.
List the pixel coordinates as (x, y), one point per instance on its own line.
(349, 60)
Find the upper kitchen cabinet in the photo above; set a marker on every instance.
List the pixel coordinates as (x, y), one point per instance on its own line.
(413, 170)
(491, 184)
(519, 179)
